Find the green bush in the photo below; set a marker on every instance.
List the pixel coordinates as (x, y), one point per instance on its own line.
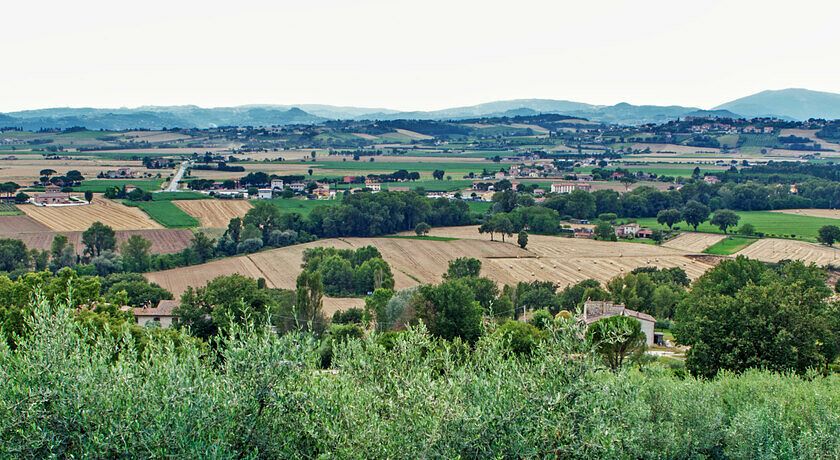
(63, 395)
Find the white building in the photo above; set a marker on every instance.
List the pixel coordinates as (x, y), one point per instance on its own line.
(595, 310)
(297, 186)
(277, 184)
(569, 187)
(265, 193)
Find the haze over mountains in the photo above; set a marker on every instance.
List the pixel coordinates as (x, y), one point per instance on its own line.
(794, 104)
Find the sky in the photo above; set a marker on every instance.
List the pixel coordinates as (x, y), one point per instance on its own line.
(411, 55)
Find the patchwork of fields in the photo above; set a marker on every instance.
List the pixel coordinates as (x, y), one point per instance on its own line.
(561, 260)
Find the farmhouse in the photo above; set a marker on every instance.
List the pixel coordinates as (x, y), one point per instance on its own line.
(277, 184)
(52, 196)
(323, 191)
(569, 187)
(627, 230)
(595, 310)
(711, 180)
(373, 186)
(297, 186)
(163, 314)
(265, 193)
(120, 173)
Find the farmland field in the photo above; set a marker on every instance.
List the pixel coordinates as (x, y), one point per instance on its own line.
(164, 241)
(772, 224)
(774, 250)
(693, 242)
(7, 209)
(79, 218)
(166, 213)
(214, 213)
(303, 207)
(100, 185)
(13, 225)
(561, 260)
(729, 245)
(824, 213)
(181, 195)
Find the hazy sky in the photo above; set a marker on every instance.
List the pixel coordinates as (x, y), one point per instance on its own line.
(412, 55)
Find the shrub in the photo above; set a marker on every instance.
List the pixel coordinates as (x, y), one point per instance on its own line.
(250, 245)
(403, 395)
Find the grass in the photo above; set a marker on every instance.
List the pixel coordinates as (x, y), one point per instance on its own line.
(366, 166)
(8, 209)
(433, 185)
(659, 169)
(729, 245)
(303, 207)
(480, 207)
(174, 196)
(165, 213)
(100, 185)
(417, 237)
(771, 224)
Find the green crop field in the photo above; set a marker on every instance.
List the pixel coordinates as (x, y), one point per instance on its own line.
(8, 209)
(772, 224)
(416, 237)
(303, 207)
(479, 207)
(174, 196)
(365, 165)
(729, 245)
(100, 185)
(432, 185)
(165, 213)
(677, 170)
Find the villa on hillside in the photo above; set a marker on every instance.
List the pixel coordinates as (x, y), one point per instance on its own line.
(163, 314)
(593, 310)
(52, 196)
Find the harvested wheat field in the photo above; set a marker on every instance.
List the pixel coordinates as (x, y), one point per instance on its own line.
(774, 250)
(79, 218)
(561, 260)
(693, 242)
(214, 213)
(164, 241)
(827, 213)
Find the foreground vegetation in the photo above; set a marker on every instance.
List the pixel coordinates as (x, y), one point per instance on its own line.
(64, 393)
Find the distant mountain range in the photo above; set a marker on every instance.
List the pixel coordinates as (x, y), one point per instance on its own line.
(793, 104)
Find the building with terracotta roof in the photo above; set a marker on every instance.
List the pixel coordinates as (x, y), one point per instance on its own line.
(163, 314)
(52, 196)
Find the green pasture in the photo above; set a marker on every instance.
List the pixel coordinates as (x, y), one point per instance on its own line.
(729, 245)
(165, 213)
(771, 224)
(100, 185)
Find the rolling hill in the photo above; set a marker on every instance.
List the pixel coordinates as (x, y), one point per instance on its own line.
(797, 104)
(794, 103)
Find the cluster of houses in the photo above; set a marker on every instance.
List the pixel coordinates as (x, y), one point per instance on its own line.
(119, 173)
(728, 128)
(625, 231)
